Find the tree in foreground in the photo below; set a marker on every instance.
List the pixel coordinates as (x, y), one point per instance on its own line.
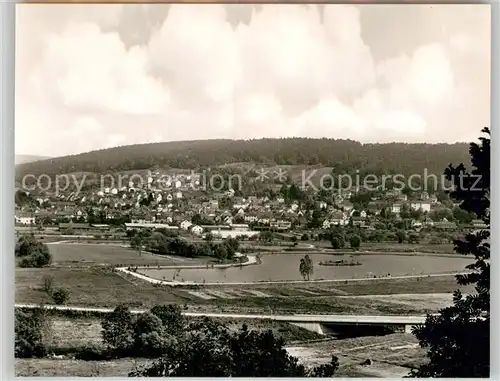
(171, 317)
(29, 334)
(118, 329)
(209, 349)
(458, 338)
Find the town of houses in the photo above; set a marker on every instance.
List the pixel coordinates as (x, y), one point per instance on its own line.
(177, 206)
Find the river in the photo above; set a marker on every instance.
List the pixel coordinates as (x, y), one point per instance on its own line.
(283, 267)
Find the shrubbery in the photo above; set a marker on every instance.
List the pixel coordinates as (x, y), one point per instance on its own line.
(201, 348)
(164, 242)
(60, 295)
(32, 252)
(209, 349)
(29, 333)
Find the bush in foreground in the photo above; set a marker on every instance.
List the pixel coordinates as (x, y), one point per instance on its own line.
(60, 295)
(29, 334)
(209, 349)
(202, 348)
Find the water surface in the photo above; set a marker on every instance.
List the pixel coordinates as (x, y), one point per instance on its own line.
(280, 267)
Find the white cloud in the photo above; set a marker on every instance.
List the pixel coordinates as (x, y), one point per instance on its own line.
(292, 70)
(86, 68)
(332, 118)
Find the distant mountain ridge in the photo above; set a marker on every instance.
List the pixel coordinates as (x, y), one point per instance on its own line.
(24, 159)
(343, 155)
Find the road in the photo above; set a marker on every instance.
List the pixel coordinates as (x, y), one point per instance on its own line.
(347, 319)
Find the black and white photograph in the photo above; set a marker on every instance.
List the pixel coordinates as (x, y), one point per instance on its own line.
(252, 190)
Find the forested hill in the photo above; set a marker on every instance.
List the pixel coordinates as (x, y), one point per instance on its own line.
(343, 155)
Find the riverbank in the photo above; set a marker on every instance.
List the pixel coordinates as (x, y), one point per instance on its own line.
(251, 260)
(283, 269)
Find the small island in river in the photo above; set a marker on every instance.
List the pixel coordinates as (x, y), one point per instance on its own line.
(341, 262)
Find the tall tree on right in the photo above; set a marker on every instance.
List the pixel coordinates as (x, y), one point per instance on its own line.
(458, 338)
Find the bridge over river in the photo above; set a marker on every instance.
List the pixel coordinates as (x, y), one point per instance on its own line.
(322, 324)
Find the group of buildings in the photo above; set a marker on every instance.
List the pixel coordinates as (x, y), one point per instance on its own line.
(222, 213)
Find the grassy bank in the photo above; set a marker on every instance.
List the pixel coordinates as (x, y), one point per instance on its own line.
(93, 287)
(103, 287)
(110, 254)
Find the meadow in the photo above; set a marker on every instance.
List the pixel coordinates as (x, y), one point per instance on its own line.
(71, 254)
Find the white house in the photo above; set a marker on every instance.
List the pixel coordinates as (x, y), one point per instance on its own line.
(185, 224)
(280, 224)
(196, 229)
(234, 233)
(251, 218)
(424, 205)
(25, 220)
(240, 206)
(396, 208)
(416, 224)
(339, 221)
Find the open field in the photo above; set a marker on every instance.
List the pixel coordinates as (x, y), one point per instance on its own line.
(391, 355)
(94, 283)
(93, 286)
(97, 254)
(97, 286)
(434, 301)
(47, 367)
(321, 305)
(441, 284)
(71, 333)
(422, 285)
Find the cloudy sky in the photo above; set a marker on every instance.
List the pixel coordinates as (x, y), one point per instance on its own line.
(96, 76)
